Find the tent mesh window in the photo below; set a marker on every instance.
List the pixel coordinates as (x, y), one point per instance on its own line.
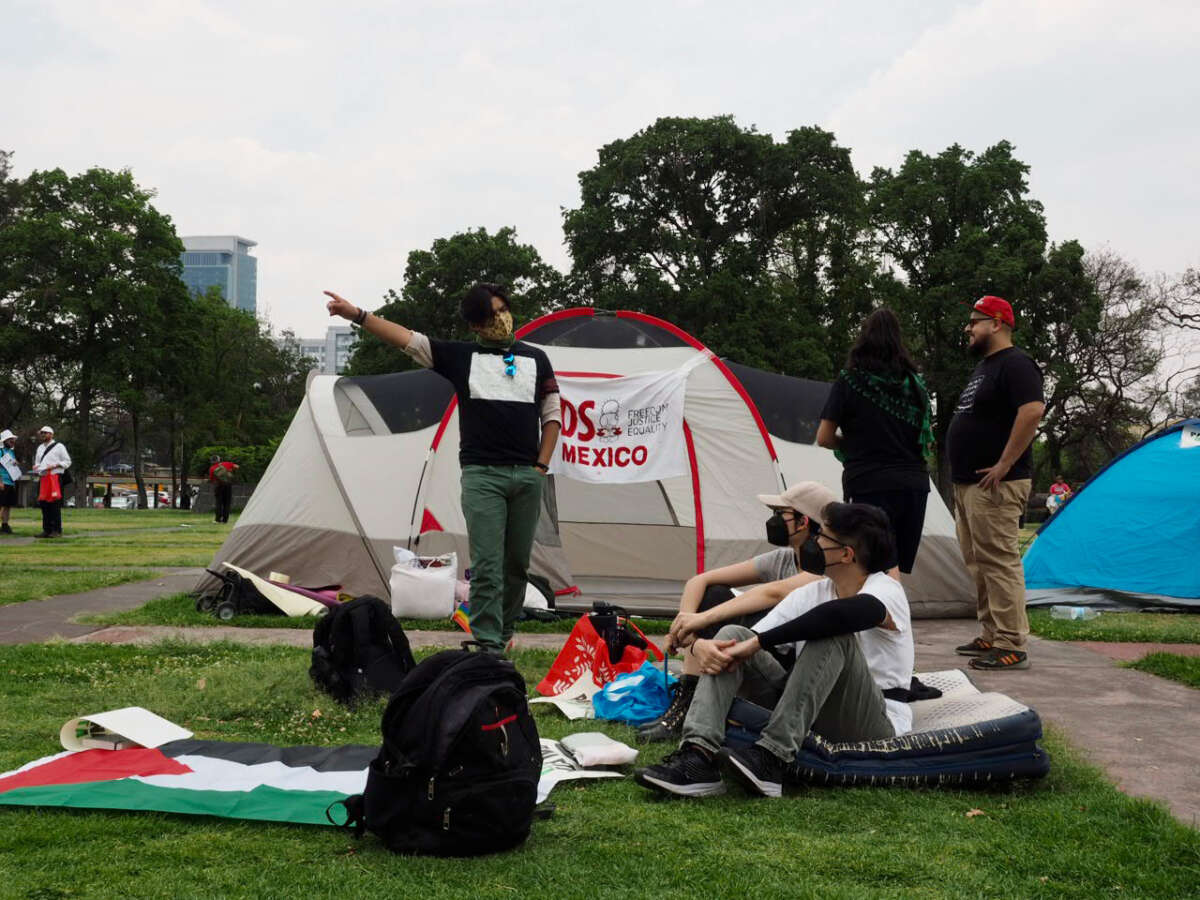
(602, 332)
(790, 407)
(407, 401)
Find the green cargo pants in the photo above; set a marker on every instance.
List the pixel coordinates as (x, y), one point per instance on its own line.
(501, 505)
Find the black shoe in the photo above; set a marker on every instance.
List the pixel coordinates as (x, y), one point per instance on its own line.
(44, 534)
(977, 647)
(756, 768)
(999, 658)
(5, 529)
(688, 772)
(669, 725)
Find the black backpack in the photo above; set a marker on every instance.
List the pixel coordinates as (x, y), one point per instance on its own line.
(359, 649)
(458, 770)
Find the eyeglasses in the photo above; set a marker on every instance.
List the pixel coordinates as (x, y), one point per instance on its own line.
(510, 364)
(834, 540)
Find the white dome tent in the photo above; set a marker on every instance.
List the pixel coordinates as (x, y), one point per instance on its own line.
(371, 462)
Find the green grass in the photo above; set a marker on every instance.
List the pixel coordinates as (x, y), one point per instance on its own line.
(1165, 628)
(22, 583)
(1184, 669)
(1071, 835)
(180, 609)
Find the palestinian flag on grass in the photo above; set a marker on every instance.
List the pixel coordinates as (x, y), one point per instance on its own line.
(206, 778)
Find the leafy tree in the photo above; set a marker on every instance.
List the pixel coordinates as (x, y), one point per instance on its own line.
(436, 279)
(755, 246)
(83, 260)
(954, 227)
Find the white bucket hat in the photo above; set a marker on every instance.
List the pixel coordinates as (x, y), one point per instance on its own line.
(5, 435)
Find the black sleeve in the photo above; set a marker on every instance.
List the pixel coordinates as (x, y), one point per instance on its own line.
(546, 382)
(834, 409)
(1023, 380)
(846, 615)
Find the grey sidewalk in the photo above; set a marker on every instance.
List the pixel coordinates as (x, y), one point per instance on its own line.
(1142, 730)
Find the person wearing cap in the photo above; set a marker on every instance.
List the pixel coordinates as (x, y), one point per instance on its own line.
(9, 473)
(989, 444)
(851, 638)
(51, 458)
(708, 601)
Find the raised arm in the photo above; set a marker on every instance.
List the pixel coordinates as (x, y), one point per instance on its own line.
(389, 332)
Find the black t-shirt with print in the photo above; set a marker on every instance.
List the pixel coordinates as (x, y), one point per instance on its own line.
(986, 410)
(883, 453)
(499, 415)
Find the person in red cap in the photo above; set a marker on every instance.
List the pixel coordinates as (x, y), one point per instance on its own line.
(991, 461)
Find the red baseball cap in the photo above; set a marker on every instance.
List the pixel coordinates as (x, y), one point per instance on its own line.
(995, 308)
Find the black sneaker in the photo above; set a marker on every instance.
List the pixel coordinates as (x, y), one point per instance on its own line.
(977, 647)
(5, 529)
(669, 725)
(999, 658)
(688, 772)
(756, 768)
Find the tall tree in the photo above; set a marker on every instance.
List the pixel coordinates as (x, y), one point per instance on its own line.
(954, 227)
(82, 261)
(753, 245)
(436, 279)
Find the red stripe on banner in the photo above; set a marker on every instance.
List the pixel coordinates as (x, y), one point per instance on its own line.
(95, 765)
(724, 369)
(450, 407)
(499, 724)
(430, 523)
(691, 449)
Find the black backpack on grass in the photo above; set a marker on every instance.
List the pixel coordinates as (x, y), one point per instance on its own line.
(458, 770)
(359, 649)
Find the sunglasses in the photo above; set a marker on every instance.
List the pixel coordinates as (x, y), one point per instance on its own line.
(510, 364)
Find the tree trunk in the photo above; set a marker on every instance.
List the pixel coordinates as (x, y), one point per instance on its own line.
(83, 461)
(185, 492)
(137, 460)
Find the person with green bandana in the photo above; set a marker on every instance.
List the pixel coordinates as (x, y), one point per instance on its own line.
(509, 418)
(881, 406)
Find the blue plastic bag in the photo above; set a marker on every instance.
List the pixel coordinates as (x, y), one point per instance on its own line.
(636, 697)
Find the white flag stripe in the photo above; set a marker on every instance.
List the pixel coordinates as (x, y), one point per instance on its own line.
(209, 774)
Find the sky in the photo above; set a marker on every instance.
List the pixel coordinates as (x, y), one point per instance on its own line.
(342, 136)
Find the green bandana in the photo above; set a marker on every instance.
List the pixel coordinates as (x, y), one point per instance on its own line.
(495, 345)
(903, 396)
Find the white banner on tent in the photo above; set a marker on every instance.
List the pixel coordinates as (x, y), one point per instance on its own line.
(622, 430)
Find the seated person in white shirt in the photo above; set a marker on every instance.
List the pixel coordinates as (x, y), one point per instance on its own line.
(852, 639)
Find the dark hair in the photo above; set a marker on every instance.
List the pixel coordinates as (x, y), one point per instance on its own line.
(476, 306)
(879, 347)
(867, 529)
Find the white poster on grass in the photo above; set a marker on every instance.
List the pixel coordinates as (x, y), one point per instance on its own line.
(622, 430)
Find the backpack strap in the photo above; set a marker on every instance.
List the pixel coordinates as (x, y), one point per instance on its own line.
(355, 820)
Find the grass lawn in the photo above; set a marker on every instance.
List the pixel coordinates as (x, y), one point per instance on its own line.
(1071, 835)
(180, 609)
(21, 583)
(1185, 669)
(1167, 628)
(102, 547)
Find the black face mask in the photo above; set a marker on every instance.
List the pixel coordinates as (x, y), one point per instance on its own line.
(812, 557)
(777, 531)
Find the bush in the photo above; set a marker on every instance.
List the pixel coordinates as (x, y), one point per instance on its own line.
(252, 461)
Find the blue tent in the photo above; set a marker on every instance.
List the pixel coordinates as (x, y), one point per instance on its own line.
(1135, 527)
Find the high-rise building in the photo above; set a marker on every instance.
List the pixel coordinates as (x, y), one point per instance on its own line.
(331, 353)
(224, 261)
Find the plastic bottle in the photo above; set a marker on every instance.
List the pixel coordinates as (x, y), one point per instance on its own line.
(1075, 613)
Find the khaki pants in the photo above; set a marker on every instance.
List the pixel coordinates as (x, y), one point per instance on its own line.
(988, 525)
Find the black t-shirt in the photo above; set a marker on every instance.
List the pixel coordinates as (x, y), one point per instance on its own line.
(882, 452)
(499, 415)
(986, 410)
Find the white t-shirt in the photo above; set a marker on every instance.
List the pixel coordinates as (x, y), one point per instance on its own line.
(889, 654)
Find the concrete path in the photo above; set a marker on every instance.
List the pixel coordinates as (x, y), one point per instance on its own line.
(1144, 731)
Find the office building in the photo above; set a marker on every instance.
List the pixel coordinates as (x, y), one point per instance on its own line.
(224, 261)
(331, 353)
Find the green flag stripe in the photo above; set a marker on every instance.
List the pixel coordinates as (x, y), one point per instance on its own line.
(262, 803)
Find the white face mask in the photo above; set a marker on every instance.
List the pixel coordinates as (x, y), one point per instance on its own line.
(500, 328)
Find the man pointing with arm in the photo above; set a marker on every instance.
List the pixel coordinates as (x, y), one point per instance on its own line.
(509, 419)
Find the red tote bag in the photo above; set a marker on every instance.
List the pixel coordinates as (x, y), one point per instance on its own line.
(586, 652)
(49, 488)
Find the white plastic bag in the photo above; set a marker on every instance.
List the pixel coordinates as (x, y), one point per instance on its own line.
(404, 556)
(424, 588)
(591, 748)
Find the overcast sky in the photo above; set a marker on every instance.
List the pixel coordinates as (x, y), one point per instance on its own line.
(340, 136)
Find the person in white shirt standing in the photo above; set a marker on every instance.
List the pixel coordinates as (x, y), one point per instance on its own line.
(9, 473)
(51, 458)
(854, 650)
